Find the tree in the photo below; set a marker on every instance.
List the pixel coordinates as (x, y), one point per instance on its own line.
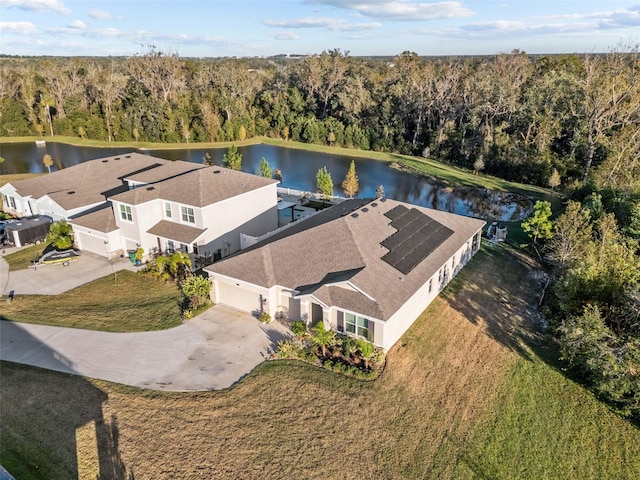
(264, 170)
(232, 159)
(554, 179)
(331, 138)
(242, 133)
(175, 266)
(47, 161)
(571, 234)
(60, 235)
(322, 337)
(539, 225)
(610, 98)
(1, 162)
(325, 183)
(350, 183)
(478, 165)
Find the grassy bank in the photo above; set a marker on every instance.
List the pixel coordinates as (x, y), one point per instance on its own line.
(466, 393)
(133, 303)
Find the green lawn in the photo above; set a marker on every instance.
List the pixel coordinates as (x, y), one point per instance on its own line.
(545, 426)
(24, 257)
(133, 303)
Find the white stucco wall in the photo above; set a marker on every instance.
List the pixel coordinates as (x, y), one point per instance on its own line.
(406, 315)
(253, 213)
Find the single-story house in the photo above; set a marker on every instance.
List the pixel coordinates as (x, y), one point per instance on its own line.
(366, 268)
(119, 203)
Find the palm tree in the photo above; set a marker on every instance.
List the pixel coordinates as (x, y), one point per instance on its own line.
(322, 337)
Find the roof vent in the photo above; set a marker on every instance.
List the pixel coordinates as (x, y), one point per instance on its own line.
(365, 210)
(354, 215)
(71, 192)
(105, 161)
(374, 204)
(383, 199)
(117, 158)
(127, 156)
(151, 188)
(216, 172)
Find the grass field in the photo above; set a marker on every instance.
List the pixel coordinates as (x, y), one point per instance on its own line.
(467, 393)
(133, 303)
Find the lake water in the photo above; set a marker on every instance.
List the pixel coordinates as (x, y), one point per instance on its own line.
(298, 168)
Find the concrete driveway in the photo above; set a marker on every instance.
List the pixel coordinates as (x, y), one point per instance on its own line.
(56, 279)
(209, 352)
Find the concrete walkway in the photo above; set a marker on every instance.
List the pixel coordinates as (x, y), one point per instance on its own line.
(209, 352)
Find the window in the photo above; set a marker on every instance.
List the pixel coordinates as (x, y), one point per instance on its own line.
(170, 246)
(430, 285)
(358, 325)
(184, 248)
(125, 213)
(13, 202)
(187, 214)
(195, 249)
(440, 275)
(167, 209)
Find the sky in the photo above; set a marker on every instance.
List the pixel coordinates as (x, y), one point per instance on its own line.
(241, 28)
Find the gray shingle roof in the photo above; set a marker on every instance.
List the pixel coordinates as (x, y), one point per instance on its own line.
(87, 183)
(100, 219)
(304, 257)
(191, 184)
(176, 231)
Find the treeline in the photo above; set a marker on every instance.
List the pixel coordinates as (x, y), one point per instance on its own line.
(594, 302)
(544, 120)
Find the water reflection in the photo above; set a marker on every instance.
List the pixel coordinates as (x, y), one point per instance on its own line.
(299, 169)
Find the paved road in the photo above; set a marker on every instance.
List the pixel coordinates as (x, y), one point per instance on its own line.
(209, 352)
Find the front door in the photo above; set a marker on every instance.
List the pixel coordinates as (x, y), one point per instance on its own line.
(316, 313)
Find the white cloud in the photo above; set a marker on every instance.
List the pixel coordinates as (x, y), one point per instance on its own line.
(19, 28)
(401, 10)
(99, 14)
(77, 24)
(37, 5)
(284, 36)
(332, 24)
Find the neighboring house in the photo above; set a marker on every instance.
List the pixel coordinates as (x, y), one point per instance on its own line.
(120, 203)
(365, 268)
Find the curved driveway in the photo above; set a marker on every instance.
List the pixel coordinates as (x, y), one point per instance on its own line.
(209, 352)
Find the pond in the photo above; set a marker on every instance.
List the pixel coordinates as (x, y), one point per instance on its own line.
(298, 168)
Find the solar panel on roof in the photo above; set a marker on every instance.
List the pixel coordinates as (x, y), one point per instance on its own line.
(396, 212)
(417, 236)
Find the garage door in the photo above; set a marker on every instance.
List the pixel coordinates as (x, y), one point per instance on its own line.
(238, 298)
(90, 243)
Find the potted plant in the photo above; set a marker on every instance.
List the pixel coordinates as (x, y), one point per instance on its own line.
(139, 255)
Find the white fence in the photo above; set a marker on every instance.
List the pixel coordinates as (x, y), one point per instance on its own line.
(311, 195)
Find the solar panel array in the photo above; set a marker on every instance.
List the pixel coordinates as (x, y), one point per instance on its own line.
(417, 236)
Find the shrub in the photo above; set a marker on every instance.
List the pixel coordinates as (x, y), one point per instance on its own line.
(299, 328)
(264, 317)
